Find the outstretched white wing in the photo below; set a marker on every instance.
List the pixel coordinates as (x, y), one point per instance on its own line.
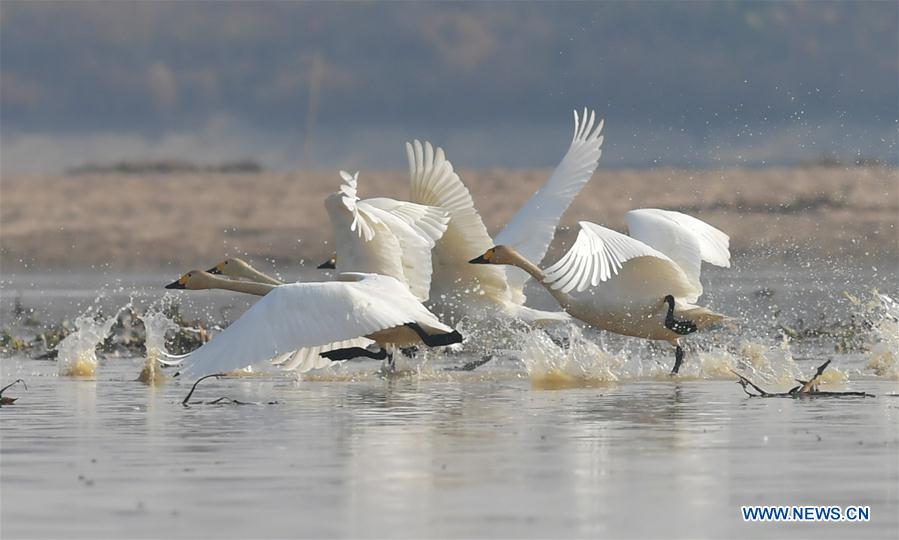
(363, 242)
(597, 255)
(413, 253)
(306, 315)
(686, 240)
(532, 228)
(385, 236)
(428, 221)
(434, 183)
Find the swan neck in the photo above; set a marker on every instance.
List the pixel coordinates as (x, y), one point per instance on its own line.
(247, 287)
(262, 277)
(517, 259)
(535, 272)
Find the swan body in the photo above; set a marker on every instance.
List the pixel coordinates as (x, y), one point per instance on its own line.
(313, 318)
(385, 236)
(641, 288)
(458, 288)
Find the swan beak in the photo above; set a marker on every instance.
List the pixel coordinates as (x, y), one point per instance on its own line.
(177, 284)
(217, 269)
(330, 264)
(483, 259)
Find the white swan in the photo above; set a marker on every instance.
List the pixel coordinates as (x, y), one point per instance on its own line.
(384, 236)
(643, 286)
(239, 268)
(299, 360)
(457, 286)
(322, 318)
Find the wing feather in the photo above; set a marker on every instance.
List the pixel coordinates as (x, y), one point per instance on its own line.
(433, 182)
(533, 227)
(598, 254)
(686, 240)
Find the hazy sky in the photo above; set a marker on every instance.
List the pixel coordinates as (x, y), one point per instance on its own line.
(687, 84)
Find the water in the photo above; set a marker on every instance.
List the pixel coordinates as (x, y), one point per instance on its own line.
(591, 439)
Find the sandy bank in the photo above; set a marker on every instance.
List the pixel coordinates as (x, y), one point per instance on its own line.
(128, 222)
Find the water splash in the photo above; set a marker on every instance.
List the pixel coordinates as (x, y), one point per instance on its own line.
(78, 351)
(583, 363)
(883, 358)
(156, 325)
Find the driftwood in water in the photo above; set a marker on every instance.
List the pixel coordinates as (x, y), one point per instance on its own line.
(10, 400)
(223, 399)
(807, 388)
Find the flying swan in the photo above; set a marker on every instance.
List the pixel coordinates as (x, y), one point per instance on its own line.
(643, 285)
(333, 319)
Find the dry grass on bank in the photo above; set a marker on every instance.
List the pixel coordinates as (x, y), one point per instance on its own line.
(146, 222)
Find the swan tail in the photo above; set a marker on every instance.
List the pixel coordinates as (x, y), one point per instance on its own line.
(702, 317)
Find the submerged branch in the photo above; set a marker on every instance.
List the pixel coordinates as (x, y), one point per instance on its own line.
(223, 399)
(808, 389)
(194, 387)
(8, 400)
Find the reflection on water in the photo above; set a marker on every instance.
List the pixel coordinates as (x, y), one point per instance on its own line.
(440, 454)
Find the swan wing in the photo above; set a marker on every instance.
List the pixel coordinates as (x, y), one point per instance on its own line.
(428, 221)
(363, 241)
(435, 183)
(308, 315)
(686, 240)
(533, 227)
(361, 223)
(408, 248)
(597, 255)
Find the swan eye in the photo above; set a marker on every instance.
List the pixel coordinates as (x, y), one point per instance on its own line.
(488, 254)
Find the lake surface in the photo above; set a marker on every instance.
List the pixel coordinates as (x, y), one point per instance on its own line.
(587, 440)
(434, 453)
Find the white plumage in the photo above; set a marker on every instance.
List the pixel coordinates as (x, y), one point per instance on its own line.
(533, 227)
(313, 316)
(457, 287)
(385, 236)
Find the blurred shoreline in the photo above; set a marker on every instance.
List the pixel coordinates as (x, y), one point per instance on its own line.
(152, 222)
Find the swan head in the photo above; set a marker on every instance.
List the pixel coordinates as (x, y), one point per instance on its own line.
(233, 267)
(670, 301)
(330, 264)
(194, 280)
(495, 255)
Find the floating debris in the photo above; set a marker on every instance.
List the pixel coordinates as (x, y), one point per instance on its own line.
(10, 400)
(186, 402)
(807, 388)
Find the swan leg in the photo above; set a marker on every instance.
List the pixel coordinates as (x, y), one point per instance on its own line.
(350, 353)
(391, 363)
(678, 358)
